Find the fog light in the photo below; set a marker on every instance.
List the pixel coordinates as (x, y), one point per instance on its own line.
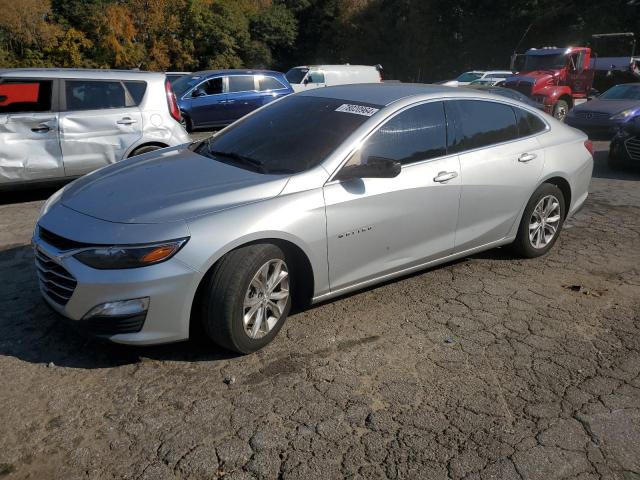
(122, 308)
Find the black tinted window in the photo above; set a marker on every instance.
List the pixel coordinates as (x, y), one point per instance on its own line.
(25, 95)
(94, 95)
(418, 133)
(136, 90)
(479, 123)
(269, 83)
(212, 87)
(291, 135)
(528, 123)
(242, 83)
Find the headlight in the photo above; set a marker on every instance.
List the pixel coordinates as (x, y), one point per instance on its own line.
(129, 256)
(51, 201)
(624, 115)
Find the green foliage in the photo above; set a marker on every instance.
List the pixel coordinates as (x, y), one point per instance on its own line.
(415, 40)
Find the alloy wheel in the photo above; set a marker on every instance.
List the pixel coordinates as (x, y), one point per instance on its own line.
(266, 299)
(544, 222)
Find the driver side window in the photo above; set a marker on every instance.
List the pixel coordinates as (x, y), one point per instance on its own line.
(414, 135)
(211, 87)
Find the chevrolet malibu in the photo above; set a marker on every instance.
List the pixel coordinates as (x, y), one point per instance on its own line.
(313, 196)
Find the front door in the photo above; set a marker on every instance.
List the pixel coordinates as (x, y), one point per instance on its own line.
(580, 75)
(377, 226)
(208, 104)
(98, 124)
(29, 140)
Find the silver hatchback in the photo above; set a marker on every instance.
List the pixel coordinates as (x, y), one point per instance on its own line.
(60, 123)
(305, 199)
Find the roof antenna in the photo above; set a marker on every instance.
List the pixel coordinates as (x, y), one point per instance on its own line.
(515, 50)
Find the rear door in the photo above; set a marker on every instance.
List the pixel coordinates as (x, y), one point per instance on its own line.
(269, 88)
(208, 103)
(29, 139)
(500, 164)
(98, 124)
(242, 96)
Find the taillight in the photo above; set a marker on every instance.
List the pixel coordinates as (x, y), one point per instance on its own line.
(588, 144)
(172, 102)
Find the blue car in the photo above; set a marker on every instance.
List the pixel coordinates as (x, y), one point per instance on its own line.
(216, 98)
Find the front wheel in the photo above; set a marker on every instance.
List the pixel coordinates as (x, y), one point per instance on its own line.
(247, 298)
(541, 222)
(560, 110)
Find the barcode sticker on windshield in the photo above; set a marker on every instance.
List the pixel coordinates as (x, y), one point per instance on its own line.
(357, 109)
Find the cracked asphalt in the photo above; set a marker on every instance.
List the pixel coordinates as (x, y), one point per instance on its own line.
(492, 367)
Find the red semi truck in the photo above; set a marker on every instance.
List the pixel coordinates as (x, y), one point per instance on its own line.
(559, 78)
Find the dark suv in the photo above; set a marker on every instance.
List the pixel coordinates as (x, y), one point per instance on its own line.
(216, 98)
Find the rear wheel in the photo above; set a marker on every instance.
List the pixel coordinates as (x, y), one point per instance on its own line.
(560, 110)
(145, 149)
(186, 123)
(541, 222)
(247, 298)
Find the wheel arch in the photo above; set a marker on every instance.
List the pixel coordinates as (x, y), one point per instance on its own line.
(564, 186)
(300, 263)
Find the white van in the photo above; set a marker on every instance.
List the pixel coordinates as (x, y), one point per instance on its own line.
(314, 76)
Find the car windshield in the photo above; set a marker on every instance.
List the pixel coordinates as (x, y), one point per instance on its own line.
(184, 84)
(291, 135)
(544, 62)
(469, 76)
(622, 92)
(296, 75)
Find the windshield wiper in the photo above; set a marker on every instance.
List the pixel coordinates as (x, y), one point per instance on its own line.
(256, 164)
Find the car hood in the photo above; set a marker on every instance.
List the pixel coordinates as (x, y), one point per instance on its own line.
(169, 185)
(607, 106)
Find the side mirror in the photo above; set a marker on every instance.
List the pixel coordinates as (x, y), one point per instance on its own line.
(306, 80)
(374, 167)
(198, 92)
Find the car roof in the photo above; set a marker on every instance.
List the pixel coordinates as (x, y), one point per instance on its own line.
(234, 71)
(388, 93)
(79, 73)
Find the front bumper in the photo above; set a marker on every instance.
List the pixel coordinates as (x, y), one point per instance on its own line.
(595, 129)
(72, 289)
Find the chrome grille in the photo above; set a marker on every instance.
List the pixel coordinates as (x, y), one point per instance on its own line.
(592, 115)
(633, 147)
(55, 281)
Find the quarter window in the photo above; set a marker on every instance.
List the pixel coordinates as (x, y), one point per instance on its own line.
(136, 90)
(416, 134)
(25, 95)
(241, 83)
(476, 123)
(94, 95)
(269, 83)
(528, 123)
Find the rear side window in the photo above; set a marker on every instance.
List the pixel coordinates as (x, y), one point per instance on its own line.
(94, 95)
(241, 83)
(269, 83)
(478, 123)
(25, 95)
(416, 134)
(136, 90)
(528, 123)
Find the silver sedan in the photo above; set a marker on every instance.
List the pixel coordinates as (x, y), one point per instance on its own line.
(313, 196)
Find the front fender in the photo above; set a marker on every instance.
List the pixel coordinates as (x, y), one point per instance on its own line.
(552, 93)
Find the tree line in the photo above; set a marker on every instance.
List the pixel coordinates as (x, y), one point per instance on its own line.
(415, 40)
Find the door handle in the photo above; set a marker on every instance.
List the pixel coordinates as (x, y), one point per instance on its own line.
(527, 157)
(42, 128)
(230, 101)
(445, 177)
(126, 121)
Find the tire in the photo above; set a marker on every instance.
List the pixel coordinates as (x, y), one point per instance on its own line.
(534, 246)
(614, 162)
(145, 149)
(187, 123)
(560, 110)
(231, 284)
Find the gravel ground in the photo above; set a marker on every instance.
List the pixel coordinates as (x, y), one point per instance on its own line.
(487, 368)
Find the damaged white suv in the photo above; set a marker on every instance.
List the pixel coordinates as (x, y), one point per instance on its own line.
(62, 123)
